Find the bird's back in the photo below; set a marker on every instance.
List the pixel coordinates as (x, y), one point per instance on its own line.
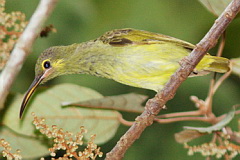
(140, 59)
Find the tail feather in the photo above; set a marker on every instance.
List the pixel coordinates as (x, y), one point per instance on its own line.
(213, 64)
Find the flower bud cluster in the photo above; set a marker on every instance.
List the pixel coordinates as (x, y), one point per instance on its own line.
(11, 26)
(64, 140)
(6, 152)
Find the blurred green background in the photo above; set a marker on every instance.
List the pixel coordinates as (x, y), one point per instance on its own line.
(81, 20)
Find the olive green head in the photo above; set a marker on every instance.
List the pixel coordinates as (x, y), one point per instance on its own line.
(51, 63)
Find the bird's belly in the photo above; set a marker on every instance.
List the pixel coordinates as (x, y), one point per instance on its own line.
(152, 75)
(155, 83)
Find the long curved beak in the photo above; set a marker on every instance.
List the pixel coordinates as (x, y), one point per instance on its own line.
(30, 91)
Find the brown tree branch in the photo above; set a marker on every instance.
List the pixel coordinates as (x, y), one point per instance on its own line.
(23, 47)
(154, 105)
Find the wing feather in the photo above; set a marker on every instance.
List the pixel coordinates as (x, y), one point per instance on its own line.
(128, 36)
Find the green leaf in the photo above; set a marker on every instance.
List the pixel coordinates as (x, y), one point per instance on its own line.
(187, 135)
(29, 147)
(215, 6)
(47, 103)
(218, 126)
(126, 102)
(236, 66)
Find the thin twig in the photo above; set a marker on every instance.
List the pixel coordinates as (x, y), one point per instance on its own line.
(178, 119)
(220, 81)
(222, 44)
(123, 121)
(209, 99)
(23, 47)
(203, 119)
(219, 118)
(180, 114)
(213, 88)
(233, 135)
(185, 116)
(154, 105)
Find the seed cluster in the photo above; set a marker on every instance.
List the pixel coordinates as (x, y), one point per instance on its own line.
(6, 152)
(11, 26)
(225, 149)
(64, 140)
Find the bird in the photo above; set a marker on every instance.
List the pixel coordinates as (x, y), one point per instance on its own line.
(129, 56)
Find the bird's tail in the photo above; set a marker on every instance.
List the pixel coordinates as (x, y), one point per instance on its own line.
(213, 64)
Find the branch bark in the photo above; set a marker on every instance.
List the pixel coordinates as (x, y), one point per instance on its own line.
(23, 47)
(154, 105)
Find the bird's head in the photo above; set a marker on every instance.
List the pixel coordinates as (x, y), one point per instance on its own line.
(50, 64)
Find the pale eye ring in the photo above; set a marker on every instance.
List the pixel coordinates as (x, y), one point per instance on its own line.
(46, 64)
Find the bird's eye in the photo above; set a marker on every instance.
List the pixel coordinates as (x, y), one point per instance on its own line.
(46, 64)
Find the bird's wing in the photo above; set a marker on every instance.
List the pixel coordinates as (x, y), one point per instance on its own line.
(128, 36)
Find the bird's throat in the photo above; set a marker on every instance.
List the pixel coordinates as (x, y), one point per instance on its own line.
(90, 58)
